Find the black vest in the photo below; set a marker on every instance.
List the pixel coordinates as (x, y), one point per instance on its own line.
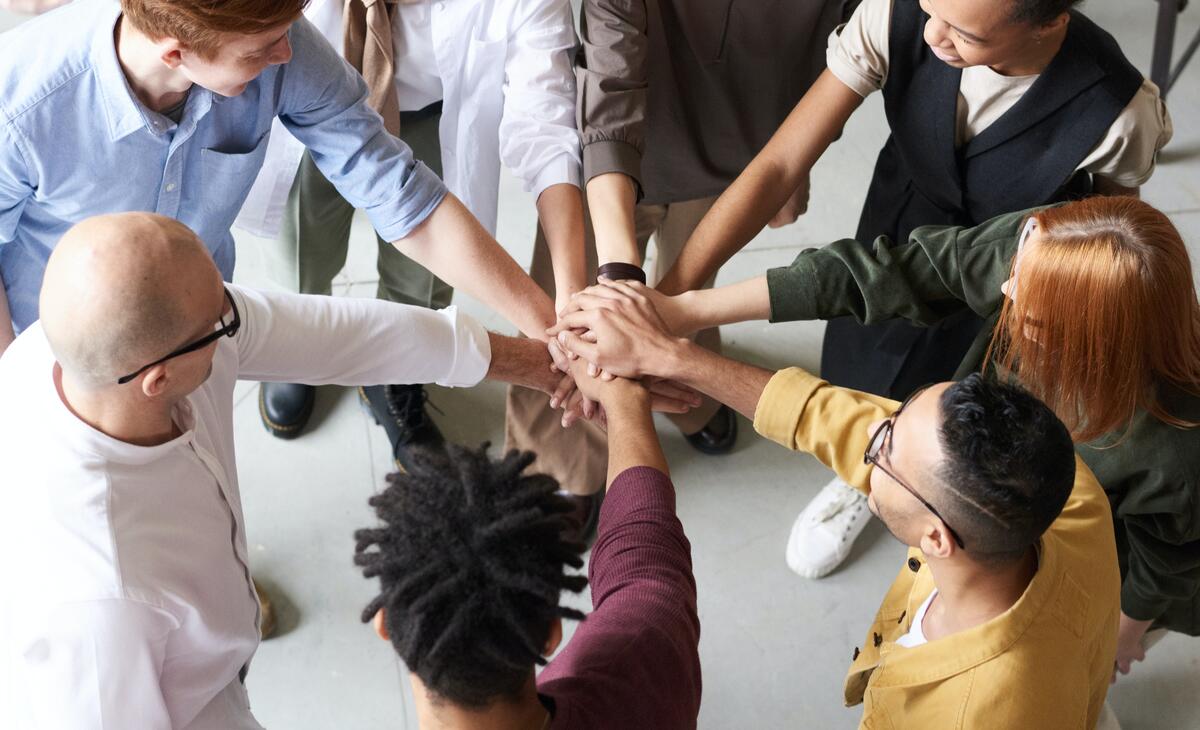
(1027, 157)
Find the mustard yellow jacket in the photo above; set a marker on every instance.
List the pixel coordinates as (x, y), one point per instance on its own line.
(1044, 663)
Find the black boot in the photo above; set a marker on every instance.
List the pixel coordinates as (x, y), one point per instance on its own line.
(400, 409)
(285, 407)
(585, 518)
(718, 435)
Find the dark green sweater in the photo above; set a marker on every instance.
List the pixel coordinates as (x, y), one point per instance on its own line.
(1151, 476)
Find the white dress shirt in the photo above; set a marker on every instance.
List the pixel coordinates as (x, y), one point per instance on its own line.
(507, 86)
(127, 600)
(418, 80)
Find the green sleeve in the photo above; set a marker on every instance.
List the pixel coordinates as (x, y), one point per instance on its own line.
(940, 270)
(1163, 557)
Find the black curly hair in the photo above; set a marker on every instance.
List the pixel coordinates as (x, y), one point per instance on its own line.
(1009, 463)
(1039, 12)
(471, 560)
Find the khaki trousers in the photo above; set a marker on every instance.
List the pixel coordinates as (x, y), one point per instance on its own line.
(315, 237)
(578, 457)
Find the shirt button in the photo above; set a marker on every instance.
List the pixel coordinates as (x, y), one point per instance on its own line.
(855, 656)
(170, 187)
(914, 565)
(877, 639)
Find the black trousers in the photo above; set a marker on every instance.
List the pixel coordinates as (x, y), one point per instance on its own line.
(895, 358)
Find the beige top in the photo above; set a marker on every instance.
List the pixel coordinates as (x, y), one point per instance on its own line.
(858, 57)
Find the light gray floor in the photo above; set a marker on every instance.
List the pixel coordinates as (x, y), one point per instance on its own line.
(774, 647)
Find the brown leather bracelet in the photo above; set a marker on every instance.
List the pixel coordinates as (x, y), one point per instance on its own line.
(621, 271)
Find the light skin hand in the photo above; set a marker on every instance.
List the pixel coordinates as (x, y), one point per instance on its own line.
(453, 245)
(632, 440)
(691, 311)
(1129, 644)
(672, 310)
(626, 337)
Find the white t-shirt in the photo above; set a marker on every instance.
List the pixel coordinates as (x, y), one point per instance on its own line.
(916, 634)
(127, 599)
(858, 56)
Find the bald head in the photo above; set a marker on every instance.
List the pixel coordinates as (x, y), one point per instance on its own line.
(122, 290)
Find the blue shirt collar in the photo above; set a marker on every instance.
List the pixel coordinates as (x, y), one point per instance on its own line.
(123, 112)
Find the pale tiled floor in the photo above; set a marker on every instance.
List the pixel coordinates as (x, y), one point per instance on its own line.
(774, 647)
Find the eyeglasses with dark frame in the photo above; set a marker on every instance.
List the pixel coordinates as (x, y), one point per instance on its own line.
(875, 448)
(222, 329)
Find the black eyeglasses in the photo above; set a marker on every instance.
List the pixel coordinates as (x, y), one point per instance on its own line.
(881, 436)
(222, 329)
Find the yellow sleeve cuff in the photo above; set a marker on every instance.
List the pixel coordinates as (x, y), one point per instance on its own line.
(782, 403)
(804, 413)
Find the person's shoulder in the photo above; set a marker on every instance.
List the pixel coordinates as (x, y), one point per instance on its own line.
(25, 360)
(43, 56)
(617, 671)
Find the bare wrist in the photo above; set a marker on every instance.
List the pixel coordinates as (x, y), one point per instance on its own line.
(677, 360)
(626, 398)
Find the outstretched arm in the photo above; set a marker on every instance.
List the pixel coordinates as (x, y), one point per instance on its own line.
(453, 245)
(766, 185)
(613, 83)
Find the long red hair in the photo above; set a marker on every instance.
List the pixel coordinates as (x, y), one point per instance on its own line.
(1104, 313)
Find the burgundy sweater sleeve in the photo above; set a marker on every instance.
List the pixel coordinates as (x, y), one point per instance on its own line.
(634, 661)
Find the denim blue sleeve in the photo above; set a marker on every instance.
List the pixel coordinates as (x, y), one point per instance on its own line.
(323, 102)
(15, 185)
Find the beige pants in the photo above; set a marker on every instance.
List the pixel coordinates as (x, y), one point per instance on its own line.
(578, 457)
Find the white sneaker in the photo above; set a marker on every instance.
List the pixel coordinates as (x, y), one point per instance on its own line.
(825, 531)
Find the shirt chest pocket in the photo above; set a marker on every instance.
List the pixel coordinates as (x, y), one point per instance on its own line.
(226, 177)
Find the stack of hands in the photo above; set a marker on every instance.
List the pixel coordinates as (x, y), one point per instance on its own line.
(613, 335)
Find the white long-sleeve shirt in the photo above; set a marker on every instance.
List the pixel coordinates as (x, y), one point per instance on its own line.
(504, 72)
(127, 600)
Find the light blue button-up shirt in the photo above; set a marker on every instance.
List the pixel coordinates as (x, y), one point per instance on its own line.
(76, 142)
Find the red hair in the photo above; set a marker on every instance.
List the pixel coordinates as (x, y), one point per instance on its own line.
(1104, 312)
(199, 24)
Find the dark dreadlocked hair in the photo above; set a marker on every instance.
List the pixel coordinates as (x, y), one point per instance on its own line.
(471, 560)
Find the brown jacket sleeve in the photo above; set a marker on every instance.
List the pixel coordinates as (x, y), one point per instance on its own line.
(612, 83)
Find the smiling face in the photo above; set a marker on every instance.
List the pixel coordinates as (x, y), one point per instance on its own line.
(965, 33)
(238, 59)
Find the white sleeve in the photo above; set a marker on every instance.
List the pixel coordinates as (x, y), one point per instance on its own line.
(858, 49)
(303, 338)
(1129, 151)
(539, 138)
(97, 665)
